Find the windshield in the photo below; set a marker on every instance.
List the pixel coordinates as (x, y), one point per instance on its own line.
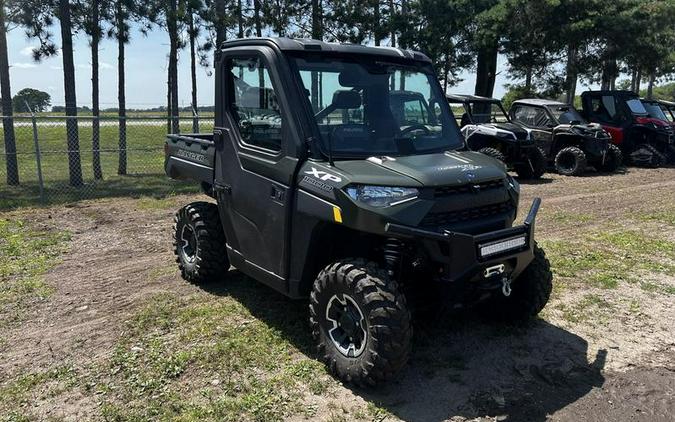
(655, 111)
(484, 112)
(369, 108)
(565, 115)
(636, 106)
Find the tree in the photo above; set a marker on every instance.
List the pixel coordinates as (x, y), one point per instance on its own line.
(29, 99)
(91, 17)
(37, 16)
(12, 165)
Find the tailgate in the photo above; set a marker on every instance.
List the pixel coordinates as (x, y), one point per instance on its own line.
(190, 157)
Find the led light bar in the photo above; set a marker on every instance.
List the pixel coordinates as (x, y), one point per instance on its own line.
(501, 246)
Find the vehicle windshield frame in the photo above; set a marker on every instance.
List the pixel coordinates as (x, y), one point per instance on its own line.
(553, 112)
(629, 100)
(491, 102)
(649, 106)
(453, 139)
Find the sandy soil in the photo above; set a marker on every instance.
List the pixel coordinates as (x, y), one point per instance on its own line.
(619, 368)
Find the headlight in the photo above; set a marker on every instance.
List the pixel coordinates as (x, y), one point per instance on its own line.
(513, 183)
(381, 196)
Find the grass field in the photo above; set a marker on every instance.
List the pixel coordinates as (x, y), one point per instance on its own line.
(96, 324)
(145, 161)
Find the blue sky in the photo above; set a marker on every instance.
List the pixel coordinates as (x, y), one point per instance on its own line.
(146, 63)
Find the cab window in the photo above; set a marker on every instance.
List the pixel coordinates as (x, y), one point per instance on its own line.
(253, 103)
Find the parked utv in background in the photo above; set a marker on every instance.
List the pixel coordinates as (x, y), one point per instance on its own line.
(645, 141)
(488, 129)
(668, 108)
(655, 110)
(568, 141)
(322, 194)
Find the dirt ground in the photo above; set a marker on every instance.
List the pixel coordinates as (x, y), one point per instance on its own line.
(603, 350)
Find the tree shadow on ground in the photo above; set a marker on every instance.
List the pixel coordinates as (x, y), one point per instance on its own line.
(461, 366)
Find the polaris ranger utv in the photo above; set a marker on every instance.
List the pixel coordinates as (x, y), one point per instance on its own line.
(568, 141)
(488, 129)
(645, 141)
(321, 194)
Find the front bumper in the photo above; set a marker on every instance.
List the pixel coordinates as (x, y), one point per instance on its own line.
(462, 256)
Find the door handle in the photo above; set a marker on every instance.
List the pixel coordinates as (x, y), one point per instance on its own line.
(277, 194)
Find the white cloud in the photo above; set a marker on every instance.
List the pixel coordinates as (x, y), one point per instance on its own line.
(24, 65)
(104, 65)
(28, 51)
(55, 67)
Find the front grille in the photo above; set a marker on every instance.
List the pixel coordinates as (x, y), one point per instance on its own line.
(445, 191)
(446, 218)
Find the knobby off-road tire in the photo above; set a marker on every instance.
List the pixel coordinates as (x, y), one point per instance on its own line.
(613, 159)
(369, 307)
(494, 153)
(570, 161)
(529, 292)
(534, 167)
(199, 243)
(646, 155)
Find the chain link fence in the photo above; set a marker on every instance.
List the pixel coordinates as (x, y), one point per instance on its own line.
(55, 159)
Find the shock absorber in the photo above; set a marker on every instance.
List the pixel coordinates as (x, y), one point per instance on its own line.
(392, 255)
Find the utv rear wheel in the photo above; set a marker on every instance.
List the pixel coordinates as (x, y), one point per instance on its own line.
(613, 159)
(494, 153)
(360, 322)
(534, 166)
(570, 161)
(199, 243)
(529, 292)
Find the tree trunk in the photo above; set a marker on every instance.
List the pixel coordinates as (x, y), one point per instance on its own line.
(650, 86)
(638, 81)
(377, 36)
(172, 23)
(571, 72)
(95, 129)
(240, 19)
(121, 97)
(6, 93)
(528, 81)
(256, 18)
(392, 33)
(193, 72)
(220, 23)
(633, 77)
(74, 164)
(486, 70)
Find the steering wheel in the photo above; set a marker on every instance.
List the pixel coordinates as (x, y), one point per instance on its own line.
(416, 126)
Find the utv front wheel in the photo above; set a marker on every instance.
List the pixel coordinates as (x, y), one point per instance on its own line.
(570, 161)
(534, 165)
(529, 292)
(613, 159)
(199, 243)
(360, 322)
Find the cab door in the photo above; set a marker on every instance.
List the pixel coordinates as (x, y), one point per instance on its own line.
(256, 139)
(536, 119)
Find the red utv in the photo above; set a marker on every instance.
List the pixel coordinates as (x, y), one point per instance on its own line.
(644, 140)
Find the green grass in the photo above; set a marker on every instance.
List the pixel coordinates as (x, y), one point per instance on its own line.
(26, 254)
(605, 259)
(591, 306)
(196, 358)
(145, 163)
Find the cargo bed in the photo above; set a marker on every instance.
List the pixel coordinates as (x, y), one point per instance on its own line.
(190, 157)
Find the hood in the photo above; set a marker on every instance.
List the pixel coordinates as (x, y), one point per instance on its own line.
(651, 120)
(519, 131)
(593, 130)
(441, 169)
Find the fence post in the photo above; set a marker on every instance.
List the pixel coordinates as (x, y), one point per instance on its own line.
(38, 158)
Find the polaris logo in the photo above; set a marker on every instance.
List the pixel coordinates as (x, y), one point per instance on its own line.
(322, 175)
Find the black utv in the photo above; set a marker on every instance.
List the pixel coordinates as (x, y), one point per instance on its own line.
(488, 129)
(644, 140)
(321, 192)
(568, 140)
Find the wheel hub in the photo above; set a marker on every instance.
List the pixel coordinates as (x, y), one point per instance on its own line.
(189, 247)
(347, 325)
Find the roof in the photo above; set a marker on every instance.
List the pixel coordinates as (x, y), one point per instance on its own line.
(309, 45)
(461, 98)
(666, 103)
(610, 92)
(540, 102)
